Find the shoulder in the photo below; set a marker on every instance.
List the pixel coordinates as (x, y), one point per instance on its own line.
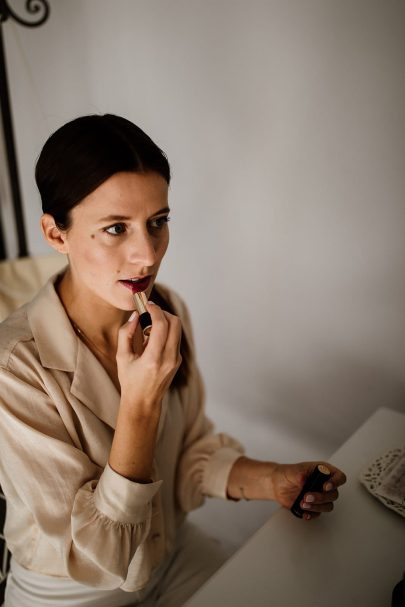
(14, 331)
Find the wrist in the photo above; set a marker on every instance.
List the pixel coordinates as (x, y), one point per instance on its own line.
(134, 442)
(269, 480)
(140, 411)
(251, 480)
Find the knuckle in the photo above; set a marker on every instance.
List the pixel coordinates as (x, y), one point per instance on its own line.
(152, 367)
(174, 362)
(178, 361)
(160, 321)
(120, 354)
(154, 311)
(173, 320)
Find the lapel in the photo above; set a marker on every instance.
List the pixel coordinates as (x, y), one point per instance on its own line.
(61, 349)
(93, 387)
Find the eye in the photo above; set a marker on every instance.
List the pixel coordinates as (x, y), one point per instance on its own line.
(159, 222)
(120, 227)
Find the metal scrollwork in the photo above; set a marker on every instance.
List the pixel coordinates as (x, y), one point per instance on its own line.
(39, 11)
(32, 6)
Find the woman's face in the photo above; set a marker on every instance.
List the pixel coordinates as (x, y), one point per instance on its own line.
(118, 232)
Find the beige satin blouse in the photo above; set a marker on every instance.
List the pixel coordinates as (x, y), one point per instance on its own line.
(68, 513)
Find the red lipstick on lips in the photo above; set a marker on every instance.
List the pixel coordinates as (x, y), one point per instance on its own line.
(138, 285)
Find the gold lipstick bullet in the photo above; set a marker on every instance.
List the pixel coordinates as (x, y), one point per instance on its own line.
(140, 301)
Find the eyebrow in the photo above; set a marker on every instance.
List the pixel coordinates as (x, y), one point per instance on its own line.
(126, 217)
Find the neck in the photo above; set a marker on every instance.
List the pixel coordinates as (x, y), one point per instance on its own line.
(97, 320)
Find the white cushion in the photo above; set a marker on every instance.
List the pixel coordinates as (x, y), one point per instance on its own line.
(21, 279)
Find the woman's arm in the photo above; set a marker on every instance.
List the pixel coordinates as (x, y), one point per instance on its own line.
(144, 379)
(253, 479)
(93, 519)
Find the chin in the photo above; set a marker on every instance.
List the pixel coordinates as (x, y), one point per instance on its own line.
(119, 303)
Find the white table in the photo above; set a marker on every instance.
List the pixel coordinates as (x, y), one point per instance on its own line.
(351, 557)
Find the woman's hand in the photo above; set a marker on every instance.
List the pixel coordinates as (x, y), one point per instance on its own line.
(145, 378)
(287, 480)
(257, 480)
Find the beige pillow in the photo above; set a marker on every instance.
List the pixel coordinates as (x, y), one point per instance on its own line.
(21, 279)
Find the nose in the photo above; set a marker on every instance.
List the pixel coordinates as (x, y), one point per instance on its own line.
(142, 250)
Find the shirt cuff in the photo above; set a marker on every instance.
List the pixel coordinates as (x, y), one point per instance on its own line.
(216, 472)
(123, 500)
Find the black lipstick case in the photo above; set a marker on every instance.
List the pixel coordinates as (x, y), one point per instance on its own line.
(145, 319)
(314, 483)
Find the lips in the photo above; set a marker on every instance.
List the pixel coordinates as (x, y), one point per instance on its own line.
(135, 287)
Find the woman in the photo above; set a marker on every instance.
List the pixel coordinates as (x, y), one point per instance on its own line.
(104, 442)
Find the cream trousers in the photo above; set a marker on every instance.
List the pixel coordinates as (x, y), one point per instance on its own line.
(195, 558)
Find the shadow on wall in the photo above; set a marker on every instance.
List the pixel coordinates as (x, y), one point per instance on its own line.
(328, 405)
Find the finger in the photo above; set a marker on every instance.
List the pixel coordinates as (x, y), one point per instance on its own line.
(126, 334)
(337, 479)
(158, 334)
(326, 507)
(321, 498)
(172, 346)
(308, 516)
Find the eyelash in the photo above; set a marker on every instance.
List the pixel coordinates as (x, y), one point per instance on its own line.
(165, 220)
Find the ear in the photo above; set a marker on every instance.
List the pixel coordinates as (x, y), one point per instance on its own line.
(55, 237)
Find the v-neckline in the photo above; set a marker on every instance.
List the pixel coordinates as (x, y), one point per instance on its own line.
(94, 354)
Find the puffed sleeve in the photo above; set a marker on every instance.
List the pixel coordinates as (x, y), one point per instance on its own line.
(94, 518)
(207, 457)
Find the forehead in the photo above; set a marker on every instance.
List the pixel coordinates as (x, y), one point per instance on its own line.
(130, 194)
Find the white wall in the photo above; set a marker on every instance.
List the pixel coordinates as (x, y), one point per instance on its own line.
(284, 125)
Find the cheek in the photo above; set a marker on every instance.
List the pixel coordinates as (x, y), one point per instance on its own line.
(163, 244)
(91, 255)
(93, 252)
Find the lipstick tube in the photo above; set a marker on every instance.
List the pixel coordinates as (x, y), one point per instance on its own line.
(314, 483)
(140, 301)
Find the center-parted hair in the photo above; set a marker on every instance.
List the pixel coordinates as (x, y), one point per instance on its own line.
(79, 157)
(84, 153)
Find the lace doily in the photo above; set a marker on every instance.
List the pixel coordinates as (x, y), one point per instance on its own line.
(372, 477)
